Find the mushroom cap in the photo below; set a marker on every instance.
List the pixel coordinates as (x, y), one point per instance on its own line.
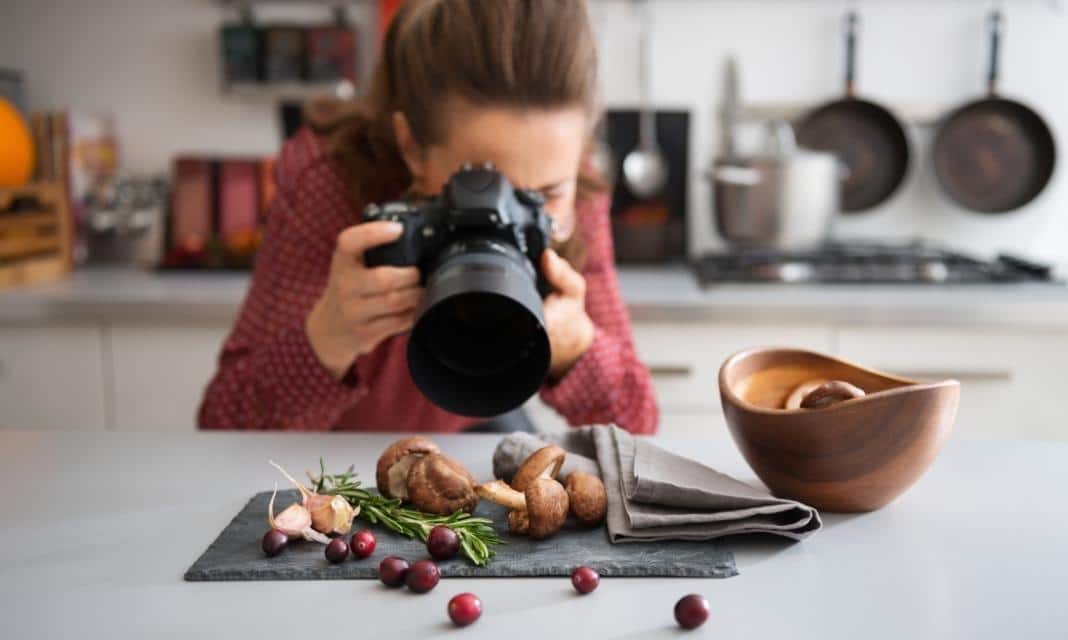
(438, 484)
(587, 496)
(394, 453)
(830, 393)
(543, 463)
(547, 506)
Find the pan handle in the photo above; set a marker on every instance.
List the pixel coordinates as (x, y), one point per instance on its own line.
(851, 21)
(996, 25)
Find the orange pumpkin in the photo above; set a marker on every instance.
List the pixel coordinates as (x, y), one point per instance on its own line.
(16, 147)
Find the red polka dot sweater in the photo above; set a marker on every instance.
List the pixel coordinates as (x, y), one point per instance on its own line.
(269, 377)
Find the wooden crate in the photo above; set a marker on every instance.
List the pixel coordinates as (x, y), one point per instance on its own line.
(35, 246)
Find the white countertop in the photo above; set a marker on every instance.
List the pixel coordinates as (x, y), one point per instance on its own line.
(99, 528)
(669, 294)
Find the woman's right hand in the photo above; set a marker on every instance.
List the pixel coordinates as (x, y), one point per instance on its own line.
(360, 306)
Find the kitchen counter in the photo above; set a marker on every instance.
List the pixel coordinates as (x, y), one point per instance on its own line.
(653, 294)
(96, 543)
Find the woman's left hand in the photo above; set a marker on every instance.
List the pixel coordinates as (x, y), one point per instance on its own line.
(570, 329)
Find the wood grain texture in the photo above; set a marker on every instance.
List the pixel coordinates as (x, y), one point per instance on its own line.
(854, 456)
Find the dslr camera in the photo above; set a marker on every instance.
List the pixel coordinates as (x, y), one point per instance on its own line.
(479, 346)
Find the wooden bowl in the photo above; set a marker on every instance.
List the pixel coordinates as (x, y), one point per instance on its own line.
(853, 456)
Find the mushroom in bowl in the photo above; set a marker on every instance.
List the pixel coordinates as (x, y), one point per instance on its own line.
(831, 433)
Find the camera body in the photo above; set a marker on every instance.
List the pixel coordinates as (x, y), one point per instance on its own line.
(479, 346)
(478, 206)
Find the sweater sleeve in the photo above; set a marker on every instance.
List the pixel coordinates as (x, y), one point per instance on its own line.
(608, 384)
(268, 375)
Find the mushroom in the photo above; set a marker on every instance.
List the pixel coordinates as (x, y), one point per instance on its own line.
(539, 511)
(395, 463)
(793, 401)
(543, 463)
(830, 393)
(438, 484)
(587, 497)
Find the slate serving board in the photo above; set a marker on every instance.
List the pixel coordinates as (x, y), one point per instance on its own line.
(236, 553)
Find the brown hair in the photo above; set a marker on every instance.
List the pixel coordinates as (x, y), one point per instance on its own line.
(521, 53)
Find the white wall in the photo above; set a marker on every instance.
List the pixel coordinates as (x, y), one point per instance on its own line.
(154, 64)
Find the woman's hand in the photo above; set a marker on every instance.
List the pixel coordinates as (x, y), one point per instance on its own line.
(361, 307)
(570, 329)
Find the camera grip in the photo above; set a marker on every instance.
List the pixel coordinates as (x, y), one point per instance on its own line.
(392, 254)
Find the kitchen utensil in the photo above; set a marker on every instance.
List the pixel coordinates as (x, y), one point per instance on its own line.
(650, 230)
(645, 169)
(236, 553)
(994, 155)
(786, 197)
(729, 110)
(868, 138)
(854, 456)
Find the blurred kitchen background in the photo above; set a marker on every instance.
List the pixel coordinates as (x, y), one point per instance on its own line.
(124, 254)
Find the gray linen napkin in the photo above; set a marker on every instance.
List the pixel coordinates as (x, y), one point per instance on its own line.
(656, 495)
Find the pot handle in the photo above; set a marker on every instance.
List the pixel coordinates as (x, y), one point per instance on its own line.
(996, 25)
(737, 176)
(851, 22)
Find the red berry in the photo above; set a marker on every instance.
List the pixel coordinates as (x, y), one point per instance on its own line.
(585, 579)
(392, 571)
(465, 609)
(442, 543)
(422, 576)
(274, 541)
(691, 611)
(337, 551)
(363, 543)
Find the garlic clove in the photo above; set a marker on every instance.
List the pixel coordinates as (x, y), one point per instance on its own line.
(292, 521)
(344, 514)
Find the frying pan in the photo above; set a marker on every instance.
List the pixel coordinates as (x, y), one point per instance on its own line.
(867, 138)
(994, 155)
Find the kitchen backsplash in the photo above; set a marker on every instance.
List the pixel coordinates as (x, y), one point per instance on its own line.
(154, 66)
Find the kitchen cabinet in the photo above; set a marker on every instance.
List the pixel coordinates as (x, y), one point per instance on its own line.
(1010, 380)
(53, 378)
(684, 360)
(160, 373)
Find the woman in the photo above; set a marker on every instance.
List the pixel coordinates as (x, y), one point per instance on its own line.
(320, 342)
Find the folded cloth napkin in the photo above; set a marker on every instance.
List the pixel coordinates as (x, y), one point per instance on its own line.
(657, 495)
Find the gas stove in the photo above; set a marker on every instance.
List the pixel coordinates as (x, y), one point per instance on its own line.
(866, 263)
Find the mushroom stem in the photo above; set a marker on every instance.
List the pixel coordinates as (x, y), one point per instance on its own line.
(500, 493)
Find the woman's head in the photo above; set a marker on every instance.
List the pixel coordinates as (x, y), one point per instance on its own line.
(512, 82)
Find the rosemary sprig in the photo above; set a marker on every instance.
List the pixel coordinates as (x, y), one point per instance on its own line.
(477, 537)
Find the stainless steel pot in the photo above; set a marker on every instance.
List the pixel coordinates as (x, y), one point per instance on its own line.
(785, 198)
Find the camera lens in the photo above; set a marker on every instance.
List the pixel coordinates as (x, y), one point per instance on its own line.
(479, 346)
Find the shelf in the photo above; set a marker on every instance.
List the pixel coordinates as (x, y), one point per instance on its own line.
(289, 90)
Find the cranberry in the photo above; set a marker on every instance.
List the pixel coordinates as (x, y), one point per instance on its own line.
(465, 609)
(442, 543)
(691, 611)
(274, 541)
(422, 576)
(363, 543)
(337, 551)
(392, 571)
(585, 579)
